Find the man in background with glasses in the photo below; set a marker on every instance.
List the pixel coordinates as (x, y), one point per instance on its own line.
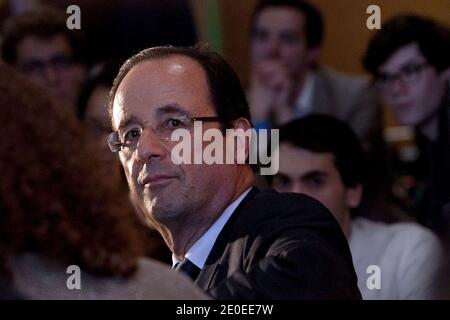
(39, 44)
(410, 61)
(234, 241)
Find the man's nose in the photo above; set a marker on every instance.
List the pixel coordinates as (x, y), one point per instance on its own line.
(272, 49)
(296, 187)
(150, 146)
(50, 74)
(398, 86)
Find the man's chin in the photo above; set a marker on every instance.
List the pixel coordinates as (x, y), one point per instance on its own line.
(160, 205)
(165, 215)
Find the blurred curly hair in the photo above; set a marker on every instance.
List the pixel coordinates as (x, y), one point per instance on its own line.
(55, 198)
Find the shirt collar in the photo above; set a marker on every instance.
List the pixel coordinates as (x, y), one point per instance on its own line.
(200, 250)
(303, 103)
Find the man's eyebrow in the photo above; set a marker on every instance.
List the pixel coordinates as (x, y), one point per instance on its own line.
(313, 174)
(410, 62)
(171, 108)
(282, 175)
(403, 65)
(160, 111)
(127, 121)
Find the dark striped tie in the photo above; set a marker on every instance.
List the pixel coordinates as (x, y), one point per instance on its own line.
(188, 268)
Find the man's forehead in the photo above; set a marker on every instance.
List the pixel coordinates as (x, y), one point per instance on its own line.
(172, 70)
(171, 64)
(300, 158)
(403, 55)
(282, 16)
(117, 111)
(35, 45)
(158, 83)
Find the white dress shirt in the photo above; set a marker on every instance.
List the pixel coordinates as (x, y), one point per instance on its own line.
(303, 104)
(200, 250)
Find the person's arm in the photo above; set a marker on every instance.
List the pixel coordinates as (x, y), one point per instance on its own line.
(269, 94)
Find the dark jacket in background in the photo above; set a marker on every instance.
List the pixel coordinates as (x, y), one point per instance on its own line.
(280, 246)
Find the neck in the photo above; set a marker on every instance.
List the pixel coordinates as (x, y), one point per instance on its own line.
(181, 235)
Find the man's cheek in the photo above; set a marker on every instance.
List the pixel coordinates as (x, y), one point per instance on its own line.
(128, 166)
(133, 171)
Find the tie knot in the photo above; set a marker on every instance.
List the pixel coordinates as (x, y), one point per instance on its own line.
(187, 267)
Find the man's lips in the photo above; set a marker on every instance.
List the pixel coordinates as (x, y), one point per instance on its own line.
(154, 179)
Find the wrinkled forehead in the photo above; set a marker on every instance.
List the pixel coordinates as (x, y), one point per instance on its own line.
(161, 82)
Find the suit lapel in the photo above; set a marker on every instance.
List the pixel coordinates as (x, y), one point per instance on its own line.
(217, 257)
(322, 101)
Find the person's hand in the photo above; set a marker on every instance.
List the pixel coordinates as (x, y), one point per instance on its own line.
(271, 92)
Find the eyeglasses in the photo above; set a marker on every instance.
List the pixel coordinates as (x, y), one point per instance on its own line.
(57, 62)
(127, 138)
(408, 74)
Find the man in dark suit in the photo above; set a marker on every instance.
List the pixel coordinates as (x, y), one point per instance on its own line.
(233, 240)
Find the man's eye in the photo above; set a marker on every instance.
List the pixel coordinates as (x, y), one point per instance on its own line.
(60, 60)
(383, 78)
(259, 35)
(281, 181)
(284, 181)
(132, 135)
(315, 182)
(173, 123)
(289, 38)
(34, 66)
(410, 70)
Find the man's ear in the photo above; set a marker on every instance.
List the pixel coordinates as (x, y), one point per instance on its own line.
(242, 127)
(354, 196)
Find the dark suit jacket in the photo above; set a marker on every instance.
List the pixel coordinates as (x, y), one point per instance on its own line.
(280, 246)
